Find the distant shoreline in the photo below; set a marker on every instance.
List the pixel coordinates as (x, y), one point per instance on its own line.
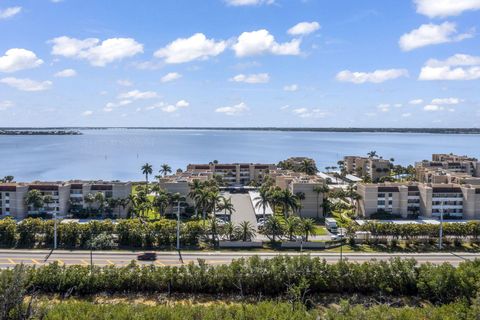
(76, 130)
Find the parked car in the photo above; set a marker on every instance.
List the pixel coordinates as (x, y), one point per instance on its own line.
(147, 256)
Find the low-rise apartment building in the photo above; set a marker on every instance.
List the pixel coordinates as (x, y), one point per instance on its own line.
(63, 195)
(373, 168)
(298, 182)
(234, 174)
(424, 199)
(460, 167)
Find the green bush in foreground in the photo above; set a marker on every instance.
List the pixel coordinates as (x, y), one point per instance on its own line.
(275, 277)
(263, 310)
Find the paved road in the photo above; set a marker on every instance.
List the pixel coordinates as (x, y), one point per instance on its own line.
(9, 258)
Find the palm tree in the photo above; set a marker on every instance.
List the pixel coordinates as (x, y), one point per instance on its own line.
(89, 200)
(323, 189)
(229, 230)
(289, 201)
(372, 154)
(34, 200)
(291, 226)
(100, 200)
(195, 186)
(7, 179)
(307, 226)
(213, 229)
(308, 167)
(146, 170)
(47, 201)
(161, 202)
(273, 228)
(202, 200)
(247, 231)
(300, 197)
(214, 199)
(165, 169)
(227, 205)
(263, 199)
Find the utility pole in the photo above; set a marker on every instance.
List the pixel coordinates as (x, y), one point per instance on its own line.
(341, 244)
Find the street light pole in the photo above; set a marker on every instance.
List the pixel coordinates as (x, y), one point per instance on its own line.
(341, 244)
(178, 225)
(55, 231)
(440, 241)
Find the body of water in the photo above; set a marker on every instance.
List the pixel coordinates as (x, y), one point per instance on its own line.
(119, 153)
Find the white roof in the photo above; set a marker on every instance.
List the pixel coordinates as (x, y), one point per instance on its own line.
(419, 221)
(353, 178)
(259, 210)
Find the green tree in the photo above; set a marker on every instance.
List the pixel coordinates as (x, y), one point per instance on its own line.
(273, 228)
(147, 169)
(307, 227)
(165, 169)
(292, 225)
(246, 230)
(308, 167)
(34, 200)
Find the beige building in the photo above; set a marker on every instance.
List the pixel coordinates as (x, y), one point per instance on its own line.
(234, 174)
(448, 168)
(64, 195)
(425, 199)
(298, 182)
(373, 168)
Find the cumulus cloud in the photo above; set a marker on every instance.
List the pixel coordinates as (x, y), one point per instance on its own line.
(303, 28)
(238, 3)
(233, 110)
(87, 113)
(416, 101)
(291, 87)
(445, 8)
(376, 76)
(309, 113)
(197, 47)
(432, 107)
(430, 34)
(457, 67)
(384, 107)
(67, 73)
(9, 12)
(98, 53)
(18, 59)
(251, 78)
(26, 84)
(444, 101)
(124, 82)
(406, 115)
(138, 95)
(171, 76)
(6, 104)
(175, 107)
(262, 42)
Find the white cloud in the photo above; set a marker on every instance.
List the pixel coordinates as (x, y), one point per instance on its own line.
(67, 73)
(97, 53)
(6, 104)
(87, 113)
(138, 95)
(376, 76)
(18, 59)
(171, 76)
(445, 8)
(406, 115)
(303, 28)
(238, 3)
(233, 110)
(173, 108)
(9, 12)
(432, 107)
(309, 113)
(197, 47)
(252, 78)
(430, 34)
(124, 82)
(261, 42)
(291, 87)
(285, 107)
(416, 101)
(448, 101)
(456, 67)
(26, 84)
(384, 107)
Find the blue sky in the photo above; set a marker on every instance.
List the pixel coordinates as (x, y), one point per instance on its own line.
(383, 63)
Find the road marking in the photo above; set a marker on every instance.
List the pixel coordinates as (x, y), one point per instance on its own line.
(60, 262)
(160, 263)
(84, 262)
(110, 262)
(11, 261)
(35, 261)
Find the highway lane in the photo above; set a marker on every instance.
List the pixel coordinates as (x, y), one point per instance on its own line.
(9, 258)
